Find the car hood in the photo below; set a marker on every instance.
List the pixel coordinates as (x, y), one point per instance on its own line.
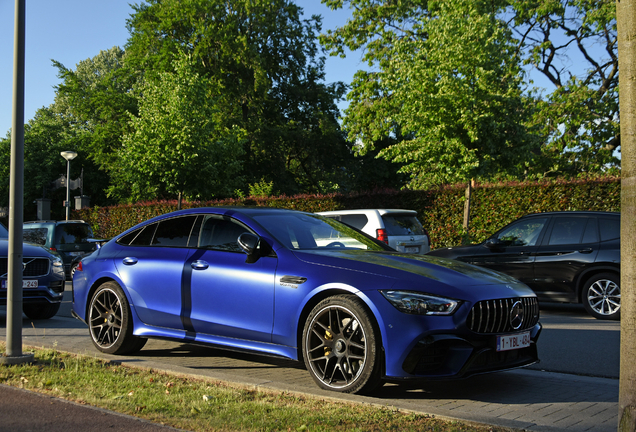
(409, 266)
(28, 249)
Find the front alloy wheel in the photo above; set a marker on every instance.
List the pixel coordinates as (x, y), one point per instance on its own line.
(340, 346)
(602, 296)
(110, 321)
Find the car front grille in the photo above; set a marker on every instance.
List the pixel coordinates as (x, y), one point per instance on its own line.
(503, 315)
(34, 267)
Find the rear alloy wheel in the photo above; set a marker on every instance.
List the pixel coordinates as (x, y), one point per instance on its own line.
(110, 321)
(340, 346)
(602, 296)
(38, 311)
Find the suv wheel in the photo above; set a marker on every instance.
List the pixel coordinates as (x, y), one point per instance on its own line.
(602, 296)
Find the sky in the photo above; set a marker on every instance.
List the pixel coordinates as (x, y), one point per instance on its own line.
(70, 31)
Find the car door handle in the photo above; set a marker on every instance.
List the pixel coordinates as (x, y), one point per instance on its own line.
(586, 250)
(200, 265)
(130, 261)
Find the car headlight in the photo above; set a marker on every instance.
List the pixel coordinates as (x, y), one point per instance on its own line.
(57, 265)
(412, 302)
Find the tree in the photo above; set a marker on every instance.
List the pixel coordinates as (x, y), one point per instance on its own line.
(626, 17)
(449, 82)
(44, 139)
(94, 101)
(572, 43)
(178, 144)
(266, 60)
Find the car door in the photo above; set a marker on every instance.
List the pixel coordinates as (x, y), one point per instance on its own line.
(228, 296)
(571, 245)
(151, 268)
(512, 250)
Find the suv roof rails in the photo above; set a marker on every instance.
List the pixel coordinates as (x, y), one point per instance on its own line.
(53, 221)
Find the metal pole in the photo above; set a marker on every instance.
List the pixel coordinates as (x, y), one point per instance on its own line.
(16, 198)
(68, 189)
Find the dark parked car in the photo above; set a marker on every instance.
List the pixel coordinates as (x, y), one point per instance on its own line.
(305, 287)
(71, 239)
(563, 256)
(42, 279)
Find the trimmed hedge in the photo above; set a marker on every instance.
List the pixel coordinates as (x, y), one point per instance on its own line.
(440, 210)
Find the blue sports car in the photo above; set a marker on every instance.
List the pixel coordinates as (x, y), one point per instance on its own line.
(301, 286)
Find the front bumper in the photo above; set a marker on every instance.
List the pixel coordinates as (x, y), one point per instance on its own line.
(47, 292)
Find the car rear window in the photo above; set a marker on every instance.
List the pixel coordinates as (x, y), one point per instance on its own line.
(610, 228)
(35, 235)
(72, 234)
(3, 232)
(397, 225)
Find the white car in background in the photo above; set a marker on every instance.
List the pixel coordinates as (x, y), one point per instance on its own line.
(400, 229)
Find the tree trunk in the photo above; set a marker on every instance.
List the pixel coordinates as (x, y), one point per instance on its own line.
(626, 21)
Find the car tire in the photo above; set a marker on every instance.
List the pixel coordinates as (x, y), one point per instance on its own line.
(601, 296)
(72, 272)
(341, 346)
(39, 311)
(110, 321)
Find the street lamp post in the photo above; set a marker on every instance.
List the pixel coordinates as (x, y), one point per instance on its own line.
(69, 156)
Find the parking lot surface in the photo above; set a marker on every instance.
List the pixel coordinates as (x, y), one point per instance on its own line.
(524, 399)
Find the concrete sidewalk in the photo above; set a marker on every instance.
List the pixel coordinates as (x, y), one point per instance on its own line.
(522, 399)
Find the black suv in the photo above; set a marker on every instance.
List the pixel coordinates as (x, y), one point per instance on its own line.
(571, 257)
(71, 239)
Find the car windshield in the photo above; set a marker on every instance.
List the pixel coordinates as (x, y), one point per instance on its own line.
(301, 231)
(3, 232)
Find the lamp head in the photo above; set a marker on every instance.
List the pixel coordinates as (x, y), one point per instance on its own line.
(68, 155)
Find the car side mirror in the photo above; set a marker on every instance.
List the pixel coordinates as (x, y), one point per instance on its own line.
(249, 243)
(494, 243)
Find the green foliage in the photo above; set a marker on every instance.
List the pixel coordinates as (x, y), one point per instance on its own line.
(262, 189)
(45, 136)
(179, 144)
(449, 85)
(573, 44)
(440, 210)
(265, 59)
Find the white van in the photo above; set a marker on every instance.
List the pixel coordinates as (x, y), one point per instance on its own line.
(400, 229)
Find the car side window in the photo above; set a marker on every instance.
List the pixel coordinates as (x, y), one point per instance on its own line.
(174, 232)
(567, 230)
(35, 235)
(221, 233)
(524, 233)
(355, 220)
(610, 228)
(591, 231)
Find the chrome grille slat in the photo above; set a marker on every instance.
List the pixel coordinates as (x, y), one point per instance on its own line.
(493, 316)
(35, 267)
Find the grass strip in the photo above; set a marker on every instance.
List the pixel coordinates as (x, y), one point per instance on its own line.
(203, 404)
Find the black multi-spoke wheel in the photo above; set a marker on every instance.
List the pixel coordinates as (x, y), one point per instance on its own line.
(110, 322)
(602, 296)
(340, 345)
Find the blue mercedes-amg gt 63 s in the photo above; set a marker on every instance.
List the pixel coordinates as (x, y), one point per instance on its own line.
(304, 287)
